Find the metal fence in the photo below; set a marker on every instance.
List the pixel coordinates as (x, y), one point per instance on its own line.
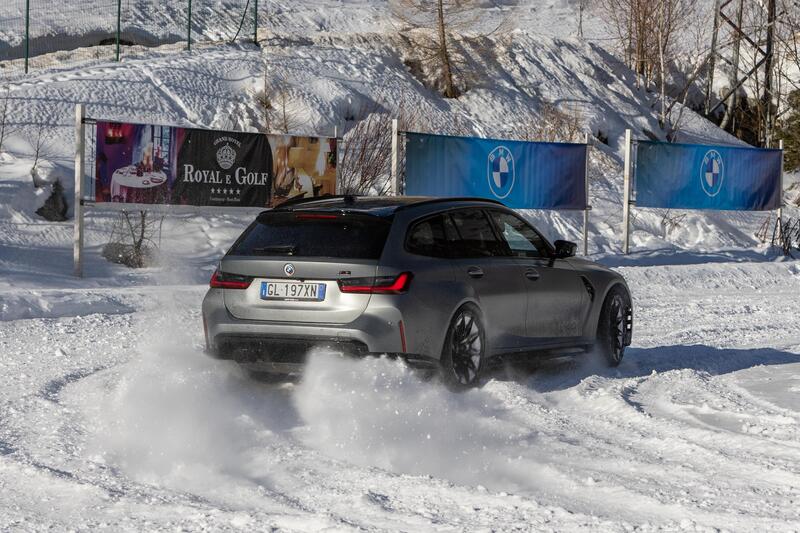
(37, 34)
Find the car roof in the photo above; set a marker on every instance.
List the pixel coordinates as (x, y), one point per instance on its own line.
(383, 206)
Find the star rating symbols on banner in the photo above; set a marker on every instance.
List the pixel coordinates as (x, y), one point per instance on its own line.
(226, 192)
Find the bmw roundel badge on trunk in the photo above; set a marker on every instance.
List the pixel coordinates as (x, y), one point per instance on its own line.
(288, 269)
(501, 172)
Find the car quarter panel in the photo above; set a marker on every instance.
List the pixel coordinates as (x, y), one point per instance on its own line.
(434, 292)
(602, 280)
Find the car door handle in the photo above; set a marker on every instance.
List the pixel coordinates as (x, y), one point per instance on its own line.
(475, 272)
(532, 274)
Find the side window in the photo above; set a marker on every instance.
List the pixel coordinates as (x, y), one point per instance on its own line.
(477, 237)
(523, 240)
(430, 238)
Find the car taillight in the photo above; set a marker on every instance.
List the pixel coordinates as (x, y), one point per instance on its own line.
(380, 285)
(223, 280)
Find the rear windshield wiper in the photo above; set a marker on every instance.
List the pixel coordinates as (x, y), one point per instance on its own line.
(286, 249)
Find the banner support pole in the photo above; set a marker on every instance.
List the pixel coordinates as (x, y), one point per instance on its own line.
(587, 140)
(395, 177)
(780, 198)
(336, 186)
(27, 33)
(626, 195)
(189, 29)
(119, 26)
(255, 23)
(80, 147)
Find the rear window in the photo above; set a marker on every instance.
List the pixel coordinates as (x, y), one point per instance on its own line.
(307, 234)
(432, 237)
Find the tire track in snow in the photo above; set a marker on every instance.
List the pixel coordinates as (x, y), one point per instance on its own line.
(619, 448)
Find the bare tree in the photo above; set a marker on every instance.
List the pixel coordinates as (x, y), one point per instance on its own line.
(647, 32)
(266, 106)
(442, 18)
(134, 239)
(670, 222)
(787, 64)
(755, 112)
(550, 124)
(277, 106)
(41, 142)
(286, 118)
(365, 153)
(632, 23)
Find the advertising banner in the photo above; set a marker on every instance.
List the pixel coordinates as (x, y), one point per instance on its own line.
(152, 164)
(688, 176)
(519, 174)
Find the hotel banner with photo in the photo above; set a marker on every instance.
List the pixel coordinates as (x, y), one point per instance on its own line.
(153, 164)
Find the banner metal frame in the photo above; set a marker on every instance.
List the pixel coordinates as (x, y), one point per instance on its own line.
(396, 189)
(395, 170)
(629, 175)
(587, 138)
(780, 206)
(626, 193)
(80, 172)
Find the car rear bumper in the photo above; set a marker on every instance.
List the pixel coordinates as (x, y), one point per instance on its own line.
(280, 347)
(283, 355)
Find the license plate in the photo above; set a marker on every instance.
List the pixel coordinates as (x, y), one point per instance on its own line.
(277, 290)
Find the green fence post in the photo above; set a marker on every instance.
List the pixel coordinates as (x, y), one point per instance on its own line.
(255, 22)
(27, 33)
(189, 29)
(119, 24)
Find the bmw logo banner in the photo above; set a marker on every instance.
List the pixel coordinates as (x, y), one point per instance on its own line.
(690, 176)
(520, 174)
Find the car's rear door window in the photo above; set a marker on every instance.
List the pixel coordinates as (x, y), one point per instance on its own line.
(477, 238)
(432, 237)
(309, 234)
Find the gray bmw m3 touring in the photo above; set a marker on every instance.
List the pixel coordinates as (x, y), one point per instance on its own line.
(451, 284)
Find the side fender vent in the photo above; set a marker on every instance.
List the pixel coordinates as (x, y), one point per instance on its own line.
(589, 287)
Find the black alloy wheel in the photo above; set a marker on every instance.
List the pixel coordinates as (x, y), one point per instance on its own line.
(611, 328)
(464, 349)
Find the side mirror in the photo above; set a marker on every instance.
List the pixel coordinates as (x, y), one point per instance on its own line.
(565, 249)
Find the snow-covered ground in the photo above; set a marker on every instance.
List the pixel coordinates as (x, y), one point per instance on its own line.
(111, 417)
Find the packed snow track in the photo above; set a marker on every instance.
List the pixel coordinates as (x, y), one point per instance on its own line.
(110, 416)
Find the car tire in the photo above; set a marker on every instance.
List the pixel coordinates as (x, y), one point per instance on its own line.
(463, 355)
(611, 328)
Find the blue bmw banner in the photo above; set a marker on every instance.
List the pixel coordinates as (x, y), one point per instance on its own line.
(689, 176)
(519, 174)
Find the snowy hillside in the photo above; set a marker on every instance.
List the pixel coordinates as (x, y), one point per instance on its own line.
(111, 417)
(330, 77)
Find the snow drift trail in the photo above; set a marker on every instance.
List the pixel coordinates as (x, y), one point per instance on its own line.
(117, 418)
